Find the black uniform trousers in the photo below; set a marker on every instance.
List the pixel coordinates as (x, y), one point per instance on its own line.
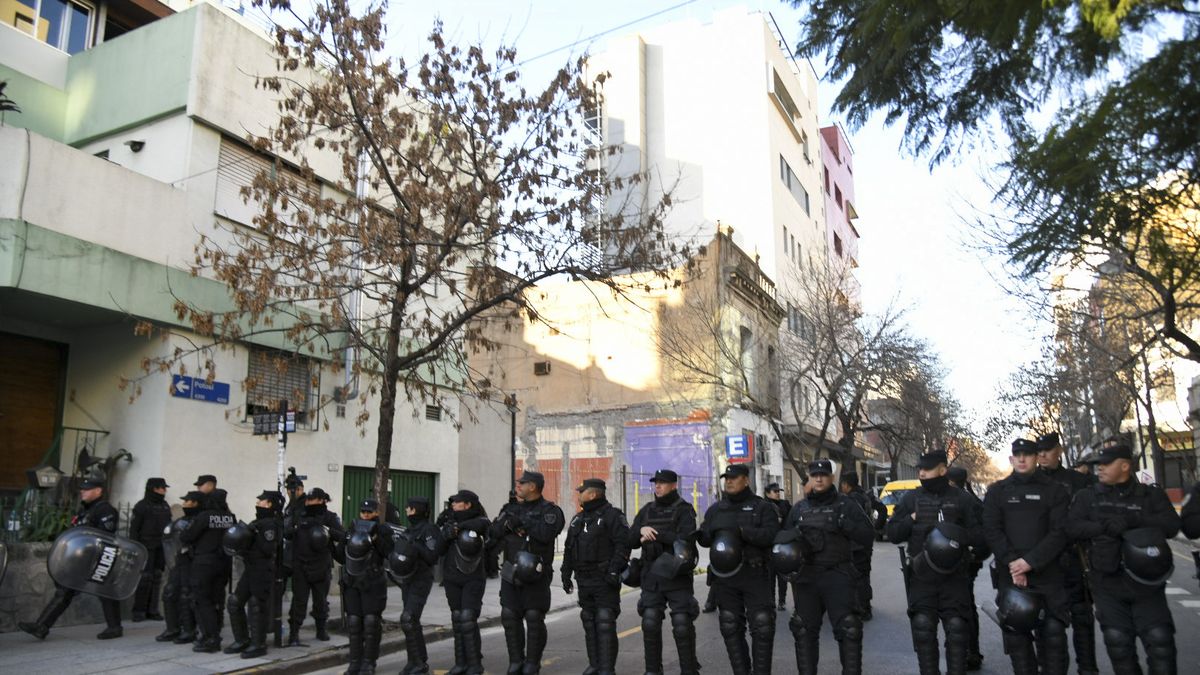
(366, 595)
(306, 582)
(465, 594)
(944, 596)
(1128, 606)
(177, 596)
(525, 597)
(831, 590)
(415, 593)
(746, 592)
(862, 563)
(255, 582)
(595, 593)
(680, 600)
(1083, 632)
(210, 575)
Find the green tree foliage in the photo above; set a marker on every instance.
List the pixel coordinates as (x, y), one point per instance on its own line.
(1100, 100)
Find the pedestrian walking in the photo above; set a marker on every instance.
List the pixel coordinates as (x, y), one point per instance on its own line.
(368, 543)
(1124, 526)
(938, 523)
(1023, 519)
(464, 527)
(827, 524)
(665, 530)
(312, 531)
(210, 568)
(96, 512)
(1079, 598)
(526, 531)
(774, 494)
(960, 478)
(596, 553)
(740, 530)
(151, 518)
(420, 548)
(249, 605)
(178, 610)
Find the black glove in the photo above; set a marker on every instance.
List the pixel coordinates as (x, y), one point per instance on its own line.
(568, 585)
(613, 579)
(1114, 527)
(449, 531)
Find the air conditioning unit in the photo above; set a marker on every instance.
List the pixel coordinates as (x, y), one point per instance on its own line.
(541, 368)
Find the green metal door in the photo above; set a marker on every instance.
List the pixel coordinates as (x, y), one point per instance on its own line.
(358, 481)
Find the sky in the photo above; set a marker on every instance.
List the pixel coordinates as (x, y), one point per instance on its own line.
(913, 249)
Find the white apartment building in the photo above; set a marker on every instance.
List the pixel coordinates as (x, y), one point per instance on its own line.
(126, 151)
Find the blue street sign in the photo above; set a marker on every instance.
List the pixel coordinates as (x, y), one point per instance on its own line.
(197, 389)
(739, 448)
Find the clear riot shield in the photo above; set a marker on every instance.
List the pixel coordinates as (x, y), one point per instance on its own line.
(97, 562)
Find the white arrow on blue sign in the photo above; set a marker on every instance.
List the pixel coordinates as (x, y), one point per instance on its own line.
(198, 389)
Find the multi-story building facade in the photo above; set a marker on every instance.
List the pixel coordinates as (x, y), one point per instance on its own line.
(837, 181)
(124, 153)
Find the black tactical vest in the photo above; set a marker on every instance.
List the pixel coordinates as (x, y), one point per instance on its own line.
(817, 523)
(932, 509)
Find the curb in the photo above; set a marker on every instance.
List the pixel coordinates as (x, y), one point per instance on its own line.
(333, 656)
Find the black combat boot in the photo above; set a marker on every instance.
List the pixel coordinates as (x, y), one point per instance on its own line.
(112, 619)
(808, 644)
(514, 639)
(259, 618)
(238, 625)
(684, 631)
(762, 641)
(652, 639)
(414, 646)
(733, 632)
(294, 635)
(925, 643)
(535, 643)
(354, 634)
(372, 632)
(322, 634)
(460, 656)
(588, 618)
(472, 644)
(849, 635)
(57, 605)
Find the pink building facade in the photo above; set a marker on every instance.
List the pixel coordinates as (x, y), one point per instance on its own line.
(837, 159)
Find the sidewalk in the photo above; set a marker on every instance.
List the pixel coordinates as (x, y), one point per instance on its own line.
(75, 649)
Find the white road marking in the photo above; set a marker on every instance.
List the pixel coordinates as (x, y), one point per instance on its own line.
(1190, 603)
(1173, 590)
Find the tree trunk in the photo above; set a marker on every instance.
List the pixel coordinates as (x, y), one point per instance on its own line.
(389, 380)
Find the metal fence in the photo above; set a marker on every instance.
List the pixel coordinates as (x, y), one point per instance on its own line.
(30, 518)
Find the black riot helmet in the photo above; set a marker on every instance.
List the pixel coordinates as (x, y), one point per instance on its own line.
(787, 557)
(469, 543)
(632, 576)
(725, 554)
(402, 563)
(527, 568)
(318, 538)
(1146, 556)
(1019, 610)
(237, 539)
(358, 547)
(944, 547)
(681, 557)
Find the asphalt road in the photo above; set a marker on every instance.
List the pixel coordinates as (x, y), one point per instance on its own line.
(887, 647)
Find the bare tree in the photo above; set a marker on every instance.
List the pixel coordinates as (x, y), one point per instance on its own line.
(459, 190)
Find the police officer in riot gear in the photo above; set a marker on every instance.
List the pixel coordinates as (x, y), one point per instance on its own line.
(876, 514)
(253, 591)
(210, 567)
(178, 610)
(464, 526)
(937, 589)
(774, 494)
(205, 483)
(1124, 527)
(1023, 518)
(312, 532)
(596, 553)
(830, 525)
(740, 530)
(365, 551)
(96, 512)
(958, 477)
(421, 543)
(151, 516)
(661, 526)
(526, 531)
(1083, 632)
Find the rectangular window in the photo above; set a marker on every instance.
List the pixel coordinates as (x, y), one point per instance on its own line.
(273, 376)
(433, 413)
(837, 245)
(794, 248)
(837, 196)
(786, 245)
(63, 24)
(804, 146)
(792, 182)
(237, 166)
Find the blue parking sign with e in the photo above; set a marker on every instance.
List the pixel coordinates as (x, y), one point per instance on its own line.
(737, 447)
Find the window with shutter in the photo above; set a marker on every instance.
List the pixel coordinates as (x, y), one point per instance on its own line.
(273, 376)
(237, 166)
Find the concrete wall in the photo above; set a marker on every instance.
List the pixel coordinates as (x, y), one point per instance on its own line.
(28, 587)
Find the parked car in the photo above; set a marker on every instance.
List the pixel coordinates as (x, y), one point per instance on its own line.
(894, 490)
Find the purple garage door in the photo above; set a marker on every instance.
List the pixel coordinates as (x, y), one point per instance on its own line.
(682, 446)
